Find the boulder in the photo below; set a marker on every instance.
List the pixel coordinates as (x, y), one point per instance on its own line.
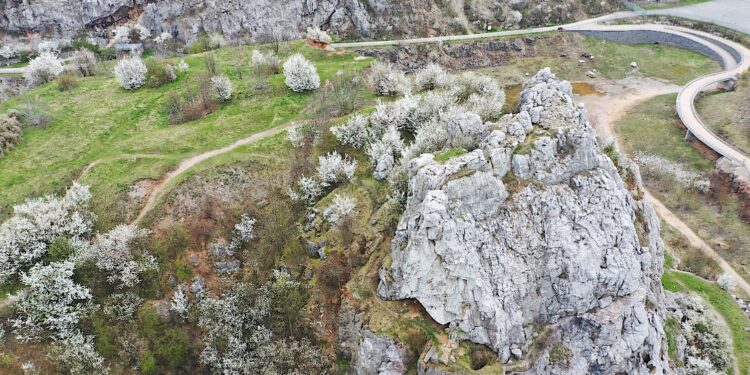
(567, 246)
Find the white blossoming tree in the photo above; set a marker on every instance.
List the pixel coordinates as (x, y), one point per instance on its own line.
(35, 224)
(222, 87)
(44, 68)
(432, 77)
(300, 74)
(342, 208)
(51, 303)
(117, 253)
(179, 303)
(308, 191)
(354, 133)
(387, 80)
(334, 168)
(76, 355)
(131, 73)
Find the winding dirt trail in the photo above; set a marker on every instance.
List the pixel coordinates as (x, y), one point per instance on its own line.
(188, 163)
(94, 163)
(605, 110)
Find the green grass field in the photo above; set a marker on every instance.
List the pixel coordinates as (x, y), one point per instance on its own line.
(611, 61)
(98, 120)
(652, 127)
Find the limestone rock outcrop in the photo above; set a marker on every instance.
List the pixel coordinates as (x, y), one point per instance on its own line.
(248, 19)
(535, 246)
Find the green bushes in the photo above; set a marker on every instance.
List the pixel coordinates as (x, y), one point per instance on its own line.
(159, 73)
(67, 81)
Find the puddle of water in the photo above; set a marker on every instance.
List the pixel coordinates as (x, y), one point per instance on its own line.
(585, 88)
(513, 92)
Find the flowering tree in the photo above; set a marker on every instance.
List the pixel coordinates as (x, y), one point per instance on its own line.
(51, 46)
(45, 68)
(222, 87)
(85, 62)
(24, 237)
(333, 168)
(432, 77)
(52, 302)
(131, 72)
(76, 354)
(267, 61)
(308, 190)
(726, 281)
(116, 253)
(179, 303)
(387, 80)
(236, 340)
(341, 209)
(354, 133)
(300, 74)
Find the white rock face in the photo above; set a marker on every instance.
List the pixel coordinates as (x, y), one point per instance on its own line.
(502, 240)
(247, 19)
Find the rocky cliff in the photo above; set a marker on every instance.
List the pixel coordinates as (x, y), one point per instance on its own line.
(535, 246)
(252, 18)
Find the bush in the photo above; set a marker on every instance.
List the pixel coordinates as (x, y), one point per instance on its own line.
(300, 74)
(34, 113)
(11, 132)
(43, 69)
(432, 77)
(67, 81)
(193, 105)
(85, 62)
(222, 87)
(210, 63)
(131, 72)
(387, 80)
(172, 347)
(159, 73)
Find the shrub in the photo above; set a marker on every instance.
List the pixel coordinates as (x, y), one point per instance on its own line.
(183, 66)
(159, 73)
(300, 74)
(387, 80)
(432, 77)
(340, 210)
(333, 168)
(117, 252)
(353, 133)
(77, 355)
(222, 87)
(34, 112)
(171, 72)
(25, 236)
(318, 35)
(131, 72)
(210, 63)
(84, 62)
(52, 303)
(726, 282)
(308, 192)
(266, 61)
(50, 46)
(172, 347)
(11, 132)
(67, 81)
(43, 69)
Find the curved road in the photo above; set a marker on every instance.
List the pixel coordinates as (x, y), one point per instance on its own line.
(723, 48)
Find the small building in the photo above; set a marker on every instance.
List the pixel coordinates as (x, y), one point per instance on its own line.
(122, 49)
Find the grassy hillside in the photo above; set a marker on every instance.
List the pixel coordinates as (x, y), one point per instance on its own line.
(128, 132)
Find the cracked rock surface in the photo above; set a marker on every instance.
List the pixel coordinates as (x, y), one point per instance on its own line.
(248, 19)
(535, 237)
